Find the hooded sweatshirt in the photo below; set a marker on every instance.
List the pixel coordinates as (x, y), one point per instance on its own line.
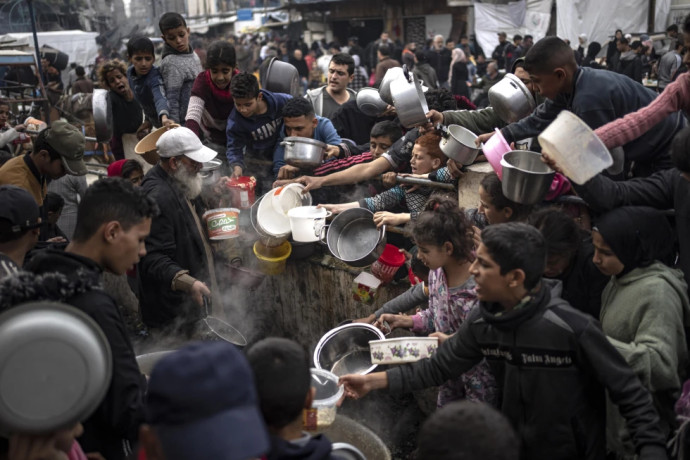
(179, 71)
(630, 64)
(306, 448)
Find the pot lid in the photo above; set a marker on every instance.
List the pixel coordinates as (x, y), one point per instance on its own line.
(305, 140)
(211, 165)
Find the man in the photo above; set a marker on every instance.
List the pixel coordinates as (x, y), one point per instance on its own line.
(526, 44)
(178, 271)
(490, 79)
(301, 65)
(325, 60)
(354, 48)
(372, 49)
(672, 31)
(20, 223)
(512, 51)
(424, 72)
(82, 84)
(114, 220)
(497, 55)
(202, 404)
(669, 63)
(408, 54)
(300, 121)
(629, 63)
(58, 150)
(385, 62)
(553, 363)
(439, 58)
(328, 98)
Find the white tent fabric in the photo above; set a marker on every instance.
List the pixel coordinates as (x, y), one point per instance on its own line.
(80, 46)
(518, 17)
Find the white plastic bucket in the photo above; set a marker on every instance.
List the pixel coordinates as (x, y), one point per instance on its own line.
(306, 223)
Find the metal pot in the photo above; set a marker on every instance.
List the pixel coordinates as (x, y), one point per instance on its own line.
(282, 77)
(409, 101)
(392, 74)
(457, 143)
(303, 152)
(526, 179)
(210, 172)
(511, 99)
(102, 115)
(148, 361)
(370, 103)
(354, 239)
(345, 349)
(346, 430)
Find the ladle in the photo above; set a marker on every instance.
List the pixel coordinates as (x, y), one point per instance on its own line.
(222, 329)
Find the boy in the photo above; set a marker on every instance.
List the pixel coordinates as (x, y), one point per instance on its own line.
(552, 362)
(179, 65)
(19, 227)
(145, 80)
(255, 125)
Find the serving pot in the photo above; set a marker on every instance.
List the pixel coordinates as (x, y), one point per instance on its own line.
(457, 143)
(102, 115)
(303, 152)
(353, 238)
(409, 101)
(511, 99)
(391, 75)
(526, 179)
(282, 77)
(370, 103)
(210, 172)
(55, 367)
(345, 349)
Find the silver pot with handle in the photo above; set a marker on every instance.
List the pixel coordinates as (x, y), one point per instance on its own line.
(392, 74)
(511, 99)
(526, 179)
(210, 172)
(457, 143)
(409, 101)
(303, 152)
(282, 77)
(370, 103)
(353, 238)
(102, 115)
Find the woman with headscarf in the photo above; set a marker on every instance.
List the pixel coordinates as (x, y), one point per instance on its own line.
(644, 309)
(458, 75)
(590, 58)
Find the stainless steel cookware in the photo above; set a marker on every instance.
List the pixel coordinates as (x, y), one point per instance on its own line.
(353, 237)
(391, 75)
(102, 115)
(409, 101)
(345, 349)
(303, 152)
(370, 103)
(282, 77)
(210, 172)
(457, 143)
(511, 99)
(526, 179)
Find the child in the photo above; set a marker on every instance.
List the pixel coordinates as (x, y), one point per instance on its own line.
(179, 65)
(553, 363)
(52, 207)
(7, 133)
(443, 236)
(644, 309)
(145, 80)
(494, 207)
(211, 101)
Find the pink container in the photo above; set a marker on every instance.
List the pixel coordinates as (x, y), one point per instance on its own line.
(494, 149)
(388, 264)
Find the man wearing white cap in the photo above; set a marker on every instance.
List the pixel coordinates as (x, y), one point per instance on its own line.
(177, 271)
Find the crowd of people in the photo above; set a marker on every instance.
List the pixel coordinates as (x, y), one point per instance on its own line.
(562, 326)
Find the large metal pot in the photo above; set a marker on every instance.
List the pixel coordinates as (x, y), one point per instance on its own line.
(526, 179)
(282, 77)
(409, 101)
(210, 172)
(353, 237)
(370, 103)
(303, 152)
(457, 143)
(392, 74)
(511, 99)
(345, 349)
(346, 430)
(102, 115)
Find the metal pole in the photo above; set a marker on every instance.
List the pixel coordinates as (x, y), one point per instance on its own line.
(33, 30)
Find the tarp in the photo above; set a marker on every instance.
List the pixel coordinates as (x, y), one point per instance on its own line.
(518, 17)
(80, 46)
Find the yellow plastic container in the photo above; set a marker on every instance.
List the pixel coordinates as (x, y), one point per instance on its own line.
(272, 260)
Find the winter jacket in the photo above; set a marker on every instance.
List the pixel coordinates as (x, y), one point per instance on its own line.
(668, 64)
(598, 97)
(458, 80)
(630, 64)
(426, 73)
(306, 448)
(315, 96)
(552, 364)
(663, 190)
(382, 67)
(642, 314)
(324, 132)
(416, 296)
(209, 109)
(179, 70)
(498, 54)
(440, 61)
(173, 245)
(76, 280)
(22, 172)
(149, 91)
(259, 133)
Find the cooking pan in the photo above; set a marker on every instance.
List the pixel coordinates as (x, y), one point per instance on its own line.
(102, 115)
(353, 238)
(222, 329)
(282, 77)
(424, 182)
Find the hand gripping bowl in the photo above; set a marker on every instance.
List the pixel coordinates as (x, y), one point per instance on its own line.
(345, 349)
(370, 103)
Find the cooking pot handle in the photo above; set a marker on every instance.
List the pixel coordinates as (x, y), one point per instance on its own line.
(284, 143)
(406, 72)
(322, 236)
(442, 130)
(383, 233)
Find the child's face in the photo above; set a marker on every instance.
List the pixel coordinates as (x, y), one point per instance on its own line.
(434, 256)
(492, 213)
(549, 85)
(221, 75)
(142, 62)
(491, 285)
(247, 106)
(4, 114)
(379, 145)
(117, 82)
(178, 38)
(421, 162)
(604, 258)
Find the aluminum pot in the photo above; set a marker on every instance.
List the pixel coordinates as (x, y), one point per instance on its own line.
(370, 103)
(457, 143)
(353, 238)
(282, 77)
(210, 172)
(511, 99)
(345, 349)
(526, 179)
(303, 152)
(392, 74)
(102, 115)
(409, 101)
(148, 361)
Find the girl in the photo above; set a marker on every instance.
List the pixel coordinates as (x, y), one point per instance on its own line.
(644, 309)
(442, 234)
(127, 169)
(211, 101)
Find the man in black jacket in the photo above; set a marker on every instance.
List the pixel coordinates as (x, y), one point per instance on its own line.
(551, 362)
(114, 219)
(178, 269)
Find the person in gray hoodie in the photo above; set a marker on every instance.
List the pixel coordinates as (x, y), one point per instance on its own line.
(423, 71)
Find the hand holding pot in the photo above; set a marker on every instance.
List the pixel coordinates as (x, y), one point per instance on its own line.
(483, 138)
(287, 172)
(394, 321)
(388, 179)
(167, 122)
(551, 163)
(332, 151)
(435, 117)
(382, 218)
(198, 291)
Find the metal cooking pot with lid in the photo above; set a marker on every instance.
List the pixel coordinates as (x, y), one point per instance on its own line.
(303, 152)
(102, 115)
(55, 367)
(282, 77)
(409, 101)
(511, 99)
(353, 237)
(345, 349)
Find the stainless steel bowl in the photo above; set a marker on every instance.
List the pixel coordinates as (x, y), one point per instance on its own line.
(526, 179)
(282, 77)
(345, 349)
(392, 74)
(457, 143)
(511, 99)
(353, 237)
(370, 103)
(303, 152)
(102, 115)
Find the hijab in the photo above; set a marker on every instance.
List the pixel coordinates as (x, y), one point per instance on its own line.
(458, 56)
(637, 235)
(115, 168)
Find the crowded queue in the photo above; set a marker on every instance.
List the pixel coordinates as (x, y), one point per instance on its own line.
(562, 325)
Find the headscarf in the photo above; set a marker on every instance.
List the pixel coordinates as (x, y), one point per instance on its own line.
(457, 56)
(592, 51)
(637, 235)
(115, 168)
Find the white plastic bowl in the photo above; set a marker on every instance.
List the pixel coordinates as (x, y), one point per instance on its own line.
(402, 349)
(328, 392)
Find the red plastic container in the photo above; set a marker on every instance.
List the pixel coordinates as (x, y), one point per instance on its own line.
(388, 264)
(242, 191)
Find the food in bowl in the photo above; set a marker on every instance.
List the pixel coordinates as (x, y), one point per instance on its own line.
(402, 349)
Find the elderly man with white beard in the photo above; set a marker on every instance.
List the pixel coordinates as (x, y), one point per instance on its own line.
(177, 271)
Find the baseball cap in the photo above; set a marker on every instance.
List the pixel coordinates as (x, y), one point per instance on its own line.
(68, 141)
(183, 141)
(19, 207)
(202, 403)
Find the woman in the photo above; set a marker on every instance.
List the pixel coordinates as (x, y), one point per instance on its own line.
(459, 74)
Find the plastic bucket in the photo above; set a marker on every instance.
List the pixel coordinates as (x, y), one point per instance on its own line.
(306, 223)
(494, 149)
(388, 264)
(222, 223)
(327, 394)
(272, 261)
(575, 148)
(242, 191)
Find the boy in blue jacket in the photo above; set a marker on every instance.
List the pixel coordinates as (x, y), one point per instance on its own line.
(146, 81)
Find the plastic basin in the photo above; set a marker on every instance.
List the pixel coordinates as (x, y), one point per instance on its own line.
(272, 261)
(494, 149)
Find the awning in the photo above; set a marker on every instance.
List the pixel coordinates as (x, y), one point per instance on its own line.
(202, 26)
